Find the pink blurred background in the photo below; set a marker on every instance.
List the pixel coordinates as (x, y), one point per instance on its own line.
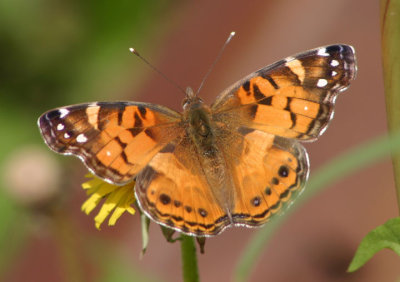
(319, 240)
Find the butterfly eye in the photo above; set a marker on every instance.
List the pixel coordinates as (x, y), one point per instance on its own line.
(191, 102)
(185, 103)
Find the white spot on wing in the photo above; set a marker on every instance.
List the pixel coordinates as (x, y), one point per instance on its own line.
(63, 112)
(334, 73)
(322, 82)
(60, 126)
(66, 135)
(108, 153)
(81, 138)
(334, 63)
(305, 108)
(322, 52)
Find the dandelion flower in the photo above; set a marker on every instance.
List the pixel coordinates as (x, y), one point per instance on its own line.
(118, 199)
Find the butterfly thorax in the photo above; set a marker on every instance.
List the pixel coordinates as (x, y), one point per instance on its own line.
(197, 117)
(198, 120)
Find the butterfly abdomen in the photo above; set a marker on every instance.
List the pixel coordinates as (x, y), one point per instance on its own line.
(202, 133)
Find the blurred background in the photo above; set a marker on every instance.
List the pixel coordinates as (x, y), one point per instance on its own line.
(55, 53)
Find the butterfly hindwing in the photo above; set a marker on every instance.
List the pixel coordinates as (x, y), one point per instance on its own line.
(114, 140)
(293, 98)
(173, 190)
(270, 171)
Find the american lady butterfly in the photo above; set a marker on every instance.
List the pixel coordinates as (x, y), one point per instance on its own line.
(235, 162)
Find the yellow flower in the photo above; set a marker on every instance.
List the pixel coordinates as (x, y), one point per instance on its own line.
(118, 199)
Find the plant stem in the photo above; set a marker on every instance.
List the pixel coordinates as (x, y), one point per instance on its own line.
(189, 259)
(390, 31)
(68, 247)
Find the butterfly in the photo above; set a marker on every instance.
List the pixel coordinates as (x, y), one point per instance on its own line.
(234, 163)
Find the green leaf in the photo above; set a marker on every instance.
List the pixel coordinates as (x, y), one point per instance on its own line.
(384, 236)
(390, 28)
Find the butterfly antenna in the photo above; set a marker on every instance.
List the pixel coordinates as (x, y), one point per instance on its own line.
(133, 50)
(232, 34)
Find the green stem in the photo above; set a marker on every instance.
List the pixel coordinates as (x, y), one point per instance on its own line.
(337, 169)
(68, 247)
(189, 259)
(390, 30)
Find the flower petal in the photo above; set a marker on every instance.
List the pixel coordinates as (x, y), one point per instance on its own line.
(118, 199)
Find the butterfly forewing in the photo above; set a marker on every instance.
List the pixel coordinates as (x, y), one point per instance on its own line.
(292, 98)
(114, 140)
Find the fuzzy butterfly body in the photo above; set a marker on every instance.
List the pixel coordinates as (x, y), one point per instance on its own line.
(235, 162)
